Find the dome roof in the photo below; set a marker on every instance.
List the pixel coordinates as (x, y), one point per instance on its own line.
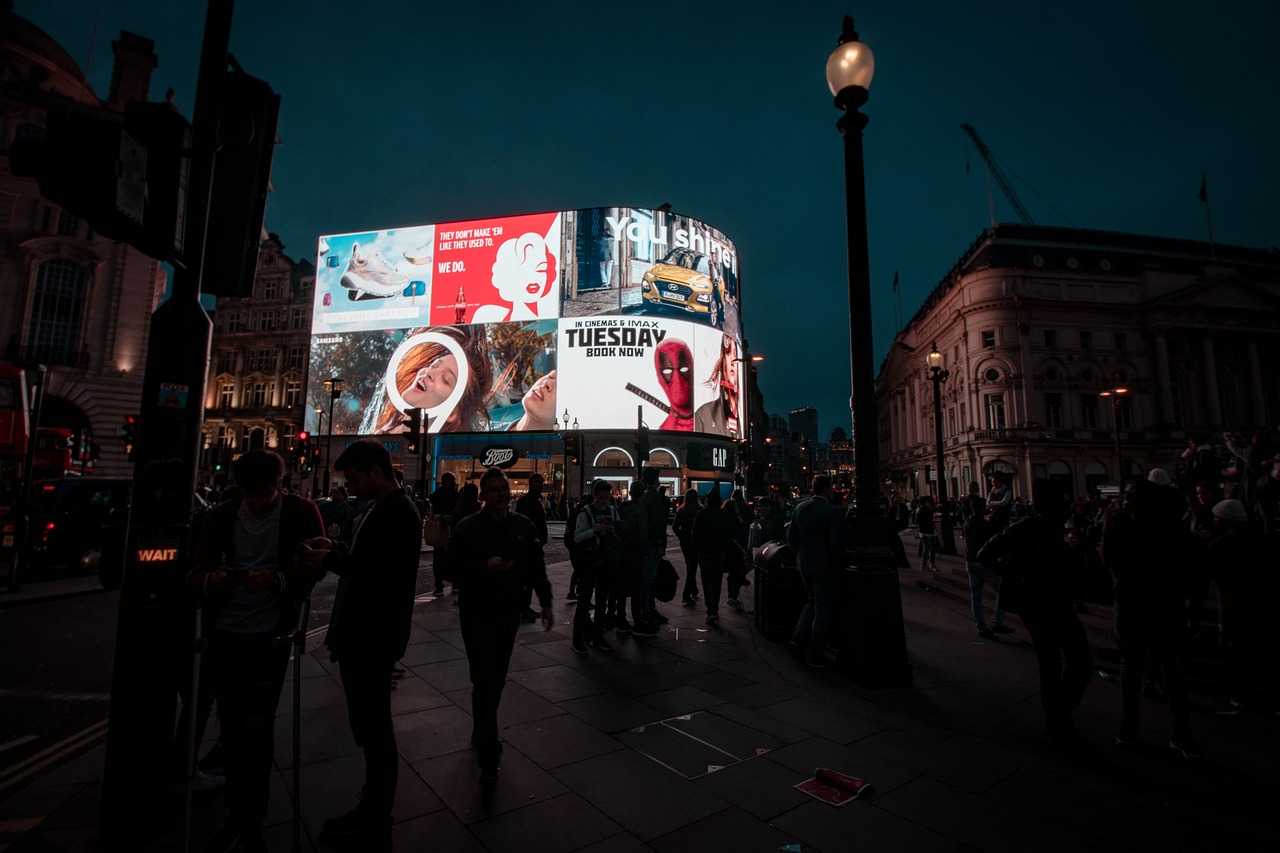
(16, 31)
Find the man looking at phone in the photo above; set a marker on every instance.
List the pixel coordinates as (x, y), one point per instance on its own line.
(497, 554)
(370, 625)
(247, 569)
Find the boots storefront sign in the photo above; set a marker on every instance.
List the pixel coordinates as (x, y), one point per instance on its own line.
(497, 456)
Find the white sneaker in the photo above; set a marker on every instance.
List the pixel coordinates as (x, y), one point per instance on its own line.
(371, 274)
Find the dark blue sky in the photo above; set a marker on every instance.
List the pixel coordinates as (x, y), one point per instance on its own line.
(401, 113)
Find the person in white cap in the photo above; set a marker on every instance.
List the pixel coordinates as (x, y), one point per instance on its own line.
(1245, 593)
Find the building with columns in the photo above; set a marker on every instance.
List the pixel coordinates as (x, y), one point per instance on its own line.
(70, 299)
(1033, 323)
(255, 394)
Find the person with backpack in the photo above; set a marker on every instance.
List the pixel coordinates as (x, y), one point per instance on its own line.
(597, 549)
(634, 536)
(977, 529)
(444, 503)
(656, 512)
(1032, 560)
(682, 526)
(571, 545)
(530, 506)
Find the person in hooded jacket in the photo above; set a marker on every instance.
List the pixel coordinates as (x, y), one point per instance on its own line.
(1030, 556)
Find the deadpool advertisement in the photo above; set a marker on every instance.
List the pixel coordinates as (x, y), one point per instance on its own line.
(610, 365)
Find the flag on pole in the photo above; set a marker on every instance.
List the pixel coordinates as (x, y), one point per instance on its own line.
(1204, 189)
(895, 281)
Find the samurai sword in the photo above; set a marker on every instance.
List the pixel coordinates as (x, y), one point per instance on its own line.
(649, 398)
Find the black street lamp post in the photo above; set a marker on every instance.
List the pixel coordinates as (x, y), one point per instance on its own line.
(1116, 395)
(875, 653)
(938, 375)
(334, 386)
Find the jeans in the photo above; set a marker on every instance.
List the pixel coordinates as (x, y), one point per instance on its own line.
(590, 582)
(366, 681)
(439, 564)
(247, 672)
(690, 569)
(1136, 646)
(1062, 650)
(712, 567)
(815, 622)
(489, 635)
(978, 579)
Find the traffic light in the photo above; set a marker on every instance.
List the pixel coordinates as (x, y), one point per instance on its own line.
(413, 421)
(123, 173)
(129, 435)
(241, 179)
(302, 451)
(572, 453)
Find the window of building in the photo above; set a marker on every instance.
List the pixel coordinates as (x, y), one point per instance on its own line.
(293, 394)
(297, 318)
(1089, 411)
(951, 421)
(991, 375)
(262, 360)
(258, 396)
(267, 321)
(955, 356)
(964, 420)
(270, 286)
(1121, 341)
(1050, 338)
(1086, 340)
(1053, 411)
(294, 359)
(225, 395)
(995, 411)
(61, 290)
(989, 339)
(227, 361)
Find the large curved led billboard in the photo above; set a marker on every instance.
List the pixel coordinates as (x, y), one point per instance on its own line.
(501, 324)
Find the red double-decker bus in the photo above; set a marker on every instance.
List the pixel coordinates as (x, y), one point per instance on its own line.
(53, 451)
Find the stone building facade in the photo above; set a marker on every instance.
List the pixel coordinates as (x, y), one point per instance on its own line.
(1034, 322)
(70, 299)
(256, 391)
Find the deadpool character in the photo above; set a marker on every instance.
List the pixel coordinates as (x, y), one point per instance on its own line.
(674, 363)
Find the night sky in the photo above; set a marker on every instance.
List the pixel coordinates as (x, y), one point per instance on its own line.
(415, 112)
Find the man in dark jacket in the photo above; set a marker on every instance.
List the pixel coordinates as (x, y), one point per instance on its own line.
(496, 555)
(369, 629)
(1031, 559)
(713, 533)
(444, 500)
(682, 525)
(247, 568)
(530, 506)
(597, 551)
(656, 513)
(816, 536)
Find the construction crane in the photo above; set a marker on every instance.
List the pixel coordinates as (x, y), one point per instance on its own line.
(998, 175)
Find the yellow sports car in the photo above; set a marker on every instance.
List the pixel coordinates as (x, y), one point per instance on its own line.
(682, 280)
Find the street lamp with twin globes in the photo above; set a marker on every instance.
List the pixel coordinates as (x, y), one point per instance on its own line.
(938, 375)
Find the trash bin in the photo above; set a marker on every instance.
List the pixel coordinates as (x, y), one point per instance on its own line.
(779, 591)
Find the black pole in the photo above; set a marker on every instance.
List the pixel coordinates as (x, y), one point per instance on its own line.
(937, 376)
(1115, 430)
(23, 513)
(328, 443)
(866, 439)
(153, 639)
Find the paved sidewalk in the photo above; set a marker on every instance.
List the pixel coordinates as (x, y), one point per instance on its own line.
(693, 741)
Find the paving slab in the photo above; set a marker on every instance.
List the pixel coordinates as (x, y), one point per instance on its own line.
(761, 788)
(858, 826)
(430, 651)
(455, 777)
(435, 731)
(558, 683)
(519, 705)
(884, 769)
(731, 829)
(557, 825)
(440, 831)
(332, 788)
(822, 719)
(557, 741)
(623, 842)
(611, 712)
(645, 799)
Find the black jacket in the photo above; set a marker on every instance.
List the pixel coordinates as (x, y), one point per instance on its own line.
(1034, 565)
(378, 579)
(530, 506)
(482, 535)
(713, 532)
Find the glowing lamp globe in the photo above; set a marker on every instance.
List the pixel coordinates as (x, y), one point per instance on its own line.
(850, 64)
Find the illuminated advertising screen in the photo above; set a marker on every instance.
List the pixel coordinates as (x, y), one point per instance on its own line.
(504, 324)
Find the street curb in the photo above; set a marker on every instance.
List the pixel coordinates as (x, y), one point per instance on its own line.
(8, 604)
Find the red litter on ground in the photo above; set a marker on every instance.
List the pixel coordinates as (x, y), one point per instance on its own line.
(833, 787)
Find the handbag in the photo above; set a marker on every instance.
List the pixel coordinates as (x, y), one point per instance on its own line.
(664, 585)
(436, 532)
